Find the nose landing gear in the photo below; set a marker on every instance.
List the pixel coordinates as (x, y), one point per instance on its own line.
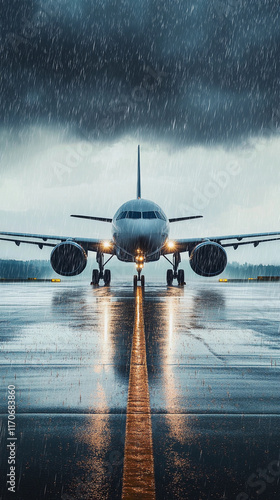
(139, 259)
(139, 278)
(174, 273)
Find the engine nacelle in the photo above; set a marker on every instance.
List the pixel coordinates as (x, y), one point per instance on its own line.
(68, 258)
(208, 259)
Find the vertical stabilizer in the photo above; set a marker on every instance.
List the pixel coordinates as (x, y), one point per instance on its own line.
(138, 177)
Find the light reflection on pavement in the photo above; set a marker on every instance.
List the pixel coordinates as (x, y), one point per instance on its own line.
(212, 354)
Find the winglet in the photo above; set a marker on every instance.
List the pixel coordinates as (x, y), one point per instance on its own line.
(138, 194)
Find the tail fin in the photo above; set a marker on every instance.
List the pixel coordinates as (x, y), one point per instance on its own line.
(138, 194)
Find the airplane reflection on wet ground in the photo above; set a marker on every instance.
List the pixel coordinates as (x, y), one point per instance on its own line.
(192, 395)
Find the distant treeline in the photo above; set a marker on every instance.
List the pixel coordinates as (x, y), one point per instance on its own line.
(15, 269)
(236, 270)
(12, 269)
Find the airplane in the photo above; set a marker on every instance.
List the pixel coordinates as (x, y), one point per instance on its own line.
(140, 234)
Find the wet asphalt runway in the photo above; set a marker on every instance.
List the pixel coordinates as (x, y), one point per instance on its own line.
(204, 394)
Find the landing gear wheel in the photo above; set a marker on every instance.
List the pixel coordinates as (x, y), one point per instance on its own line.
(107, 277)
(95, 277)
(135, 281)
(181, 277)
(169, 277)
(142, 281)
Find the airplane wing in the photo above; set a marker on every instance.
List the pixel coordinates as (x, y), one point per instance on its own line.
(180, 219)
(41, 240)
(101, 219)
(185, 245)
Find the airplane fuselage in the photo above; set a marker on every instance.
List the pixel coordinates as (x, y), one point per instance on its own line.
(139, 227)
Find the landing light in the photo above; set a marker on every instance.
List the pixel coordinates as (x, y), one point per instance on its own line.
(106, 244)
(170, 244)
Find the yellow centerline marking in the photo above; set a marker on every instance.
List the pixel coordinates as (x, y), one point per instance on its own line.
(138, 475)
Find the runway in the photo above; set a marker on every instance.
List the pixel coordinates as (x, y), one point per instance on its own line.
(169, 394)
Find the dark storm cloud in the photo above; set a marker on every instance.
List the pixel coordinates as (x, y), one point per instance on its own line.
(194, 71)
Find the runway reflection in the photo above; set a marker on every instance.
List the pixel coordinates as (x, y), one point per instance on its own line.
(138, 478)
(204, 372)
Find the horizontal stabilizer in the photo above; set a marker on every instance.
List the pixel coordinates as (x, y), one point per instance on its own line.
(102, 219)
(178, 219)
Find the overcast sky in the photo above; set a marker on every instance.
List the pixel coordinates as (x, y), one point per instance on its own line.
(195, 83)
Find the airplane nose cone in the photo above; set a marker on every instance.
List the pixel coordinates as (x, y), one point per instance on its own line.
(144, 243)
(143, 240)
(140, 235)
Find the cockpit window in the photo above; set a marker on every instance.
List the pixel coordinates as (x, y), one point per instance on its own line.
(122, 215)
(149, 215)
(133, 215)
(160, 215)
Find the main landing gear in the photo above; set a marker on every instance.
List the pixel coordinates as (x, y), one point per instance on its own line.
(175, 273)
(100, 274)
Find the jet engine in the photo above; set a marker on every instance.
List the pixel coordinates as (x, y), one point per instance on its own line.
(208, 259)
(68, 258)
